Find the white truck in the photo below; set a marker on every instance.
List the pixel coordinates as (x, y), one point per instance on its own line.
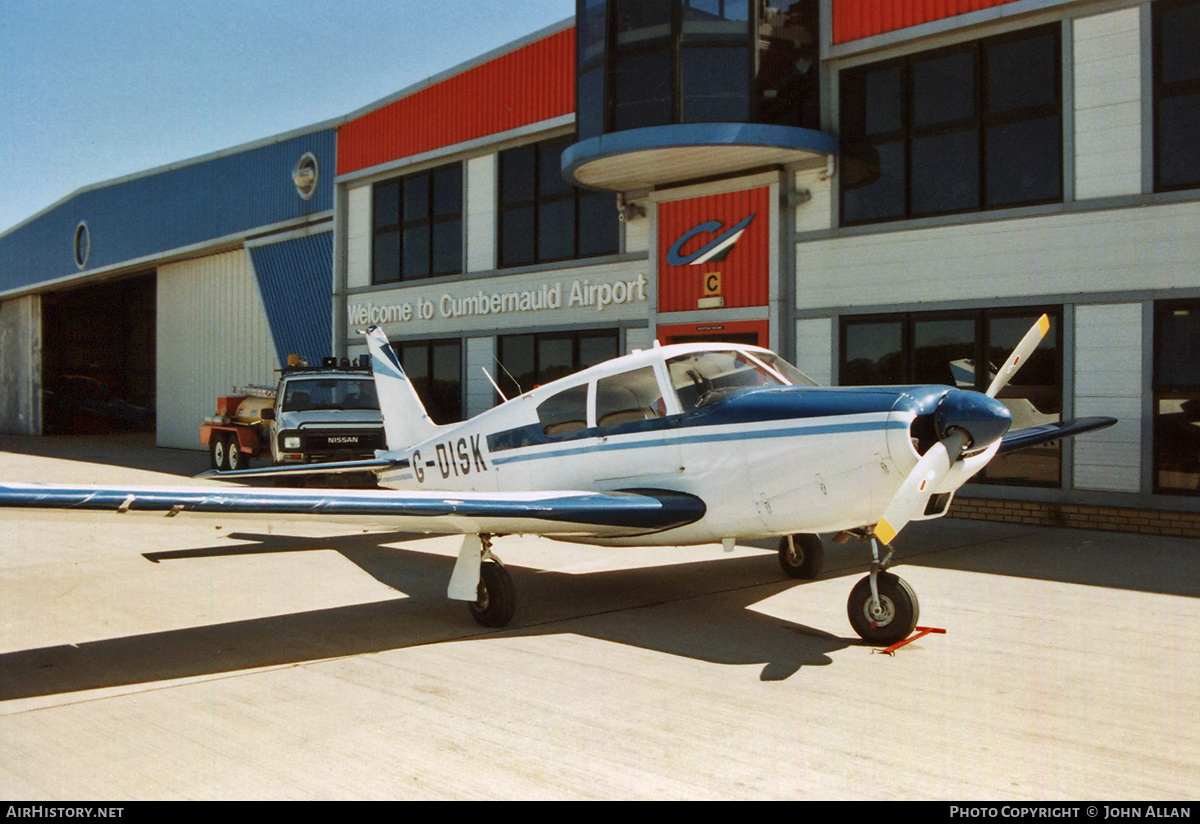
(316, 413)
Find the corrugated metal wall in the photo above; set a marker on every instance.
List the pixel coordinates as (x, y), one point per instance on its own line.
(745, 271)
(212, 334)
(855, 19)
(532, 83)
(21, 365)
(295, 278)
(170, 209)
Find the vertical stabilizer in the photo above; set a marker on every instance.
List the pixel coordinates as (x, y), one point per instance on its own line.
(405, 421)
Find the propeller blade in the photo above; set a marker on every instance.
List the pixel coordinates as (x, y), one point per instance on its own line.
(1019, 355)
(925, 477)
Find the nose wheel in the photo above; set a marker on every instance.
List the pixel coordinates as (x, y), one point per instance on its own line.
(882, 607)
(884, 616)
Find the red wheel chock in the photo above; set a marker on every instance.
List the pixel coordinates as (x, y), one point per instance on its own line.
(920, 633)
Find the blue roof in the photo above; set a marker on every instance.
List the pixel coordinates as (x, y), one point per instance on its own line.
(162, 210)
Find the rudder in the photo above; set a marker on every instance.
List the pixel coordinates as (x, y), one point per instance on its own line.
(405, 421)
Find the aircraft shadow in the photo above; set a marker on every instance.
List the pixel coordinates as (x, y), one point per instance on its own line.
(1143, 563)
(132, 450)
(666, 609)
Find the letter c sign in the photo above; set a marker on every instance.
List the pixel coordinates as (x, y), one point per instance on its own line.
(712, 284)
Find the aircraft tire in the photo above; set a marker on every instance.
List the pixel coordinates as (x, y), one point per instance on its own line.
(899, 604)
(218, 453)
(497, 600)
(807, 559)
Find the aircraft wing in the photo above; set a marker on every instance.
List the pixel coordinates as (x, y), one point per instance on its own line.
(1034, 435)
(561, 513)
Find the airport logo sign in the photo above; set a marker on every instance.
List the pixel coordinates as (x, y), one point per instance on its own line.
(715, 250)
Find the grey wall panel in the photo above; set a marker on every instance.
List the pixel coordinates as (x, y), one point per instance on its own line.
(212, 334)
(21, 366)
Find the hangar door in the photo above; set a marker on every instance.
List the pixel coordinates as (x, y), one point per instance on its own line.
(98, 356)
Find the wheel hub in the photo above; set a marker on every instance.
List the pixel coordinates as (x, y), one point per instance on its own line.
(881, 613)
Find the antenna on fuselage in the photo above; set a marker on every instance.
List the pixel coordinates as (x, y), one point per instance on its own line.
(516, 382)
(496, 386)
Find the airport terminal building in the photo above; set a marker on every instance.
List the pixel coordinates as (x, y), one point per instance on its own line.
(883, 192)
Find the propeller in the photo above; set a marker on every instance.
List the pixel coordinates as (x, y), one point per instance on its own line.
(1019, 355)
(964, 420)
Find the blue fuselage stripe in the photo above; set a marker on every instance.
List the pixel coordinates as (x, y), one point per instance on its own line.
(681, 439)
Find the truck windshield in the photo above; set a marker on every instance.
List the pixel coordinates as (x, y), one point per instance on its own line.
(329, 393)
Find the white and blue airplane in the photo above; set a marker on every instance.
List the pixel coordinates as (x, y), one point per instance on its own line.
(684, 444)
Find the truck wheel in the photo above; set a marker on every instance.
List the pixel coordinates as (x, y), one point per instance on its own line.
(218, 453)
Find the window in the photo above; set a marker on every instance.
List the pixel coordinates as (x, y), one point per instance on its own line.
(542, 217)
(947, 348)
(971, 127)
(435, 369)
(703, 378)
(564, 412)
(628, 398)
(417, 226)
(656, 62)
(1176, 30)
(528, 361)
(1177, 397)
(329, 393)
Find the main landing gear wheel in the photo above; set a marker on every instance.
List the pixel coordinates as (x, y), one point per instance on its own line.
(896, 617)
(218, 452)
(497, 599)
(801, 556)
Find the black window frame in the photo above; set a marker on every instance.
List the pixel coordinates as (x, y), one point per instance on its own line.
(986, 120)
(418, 231)
(909, 368)
(1165, 91)
(422, 380)
(775, 80)
(1171, 439)
(525, 207)
(508, 377)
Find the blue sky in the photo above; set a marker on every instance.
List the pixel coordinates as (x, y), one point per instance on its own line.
(91, 90)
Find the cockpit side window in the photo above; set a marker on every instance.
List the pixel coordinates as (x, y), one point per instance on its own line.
(703, 378)
(790, 373)
(629, 397)
(565, 411)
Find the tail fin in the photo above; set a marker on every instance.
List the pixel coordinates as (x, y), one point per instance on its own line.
(405, 421)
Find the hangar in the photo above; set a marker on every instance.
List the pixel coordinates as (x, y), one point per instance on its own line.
(883, 192)
(135, 302)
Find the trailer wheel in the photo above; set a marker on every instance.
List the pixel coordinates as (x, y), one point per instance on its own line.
(218, 453)
(235, 457)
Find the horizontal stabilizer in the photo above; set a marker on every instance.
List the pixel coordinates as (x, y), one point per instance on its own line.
(299, 470)
(1034, 435)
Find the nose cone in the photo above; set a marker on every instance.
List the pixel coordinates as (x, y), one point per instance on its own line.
(984, 419)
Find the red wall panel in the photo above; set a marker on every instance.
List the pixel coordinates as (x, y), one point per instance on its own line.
(719, 330)
(855, 19)
(745, 269)
(533, 83)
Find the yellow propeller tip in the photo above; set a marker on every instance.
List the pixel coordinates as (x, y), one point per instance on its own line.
(884, 531)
